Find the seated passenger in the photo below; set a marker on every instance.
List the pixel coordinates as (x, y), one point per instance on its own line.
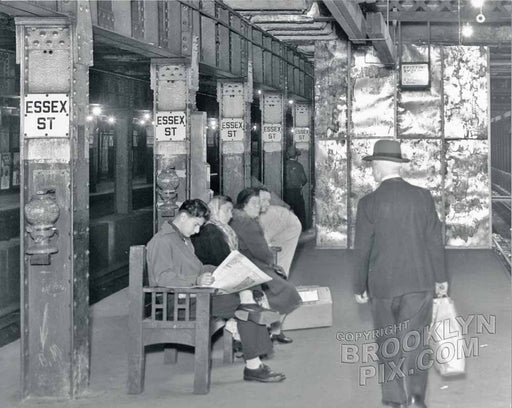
(281, 228)
(172, 262)
(282, 295)
(214, 242)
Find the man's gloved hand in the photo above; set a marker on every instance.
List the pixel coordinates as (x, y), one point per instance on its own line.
(363, 298)
(441, 289)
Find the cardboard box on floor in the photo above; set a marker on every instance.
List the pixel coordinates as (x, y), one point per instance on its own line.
(315, 311)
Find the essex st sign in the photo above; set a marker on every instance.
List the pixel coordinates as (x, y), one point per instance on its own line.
(170, 126)
(271, 132)
(232, 129)
(301, 135)
(46, 115)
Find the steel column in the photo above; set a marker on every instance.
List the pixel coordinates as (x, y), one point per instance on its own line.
(55, 55)
(175, 82)
(235, 134)
(302, 141)
(272, 135)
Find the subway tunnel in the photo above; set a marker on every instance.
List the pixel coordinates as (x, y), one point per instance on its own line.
(114, 113)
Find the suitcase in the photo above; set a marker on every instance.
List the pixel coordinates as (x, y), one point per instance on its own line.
(315, 310)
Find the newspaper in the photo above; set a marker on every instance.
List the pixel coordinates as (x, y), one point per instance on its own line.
(237, 273)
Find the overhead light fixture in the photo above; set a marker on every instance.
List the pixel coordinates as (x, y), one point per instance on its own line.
(290, 101)
(480, 18)
(477, 3)
(467, 30)
(259, 91)
(147, 116)
(96, 110)
(142, 122)
(89, 118)
(111, 119)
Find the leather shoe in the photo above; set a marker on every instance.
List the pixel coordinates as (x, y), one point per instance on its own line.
(416, 402)
(386, 404)
(257, 314)
(262, 374)
(281, 338)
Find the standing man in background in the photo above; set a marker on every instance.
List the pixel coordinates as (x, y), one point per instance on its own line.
(295, 179)
(399, 264)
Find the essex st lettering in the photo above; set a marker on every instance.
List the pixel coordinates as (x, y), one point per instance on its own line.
(46, 107)
(170, 120)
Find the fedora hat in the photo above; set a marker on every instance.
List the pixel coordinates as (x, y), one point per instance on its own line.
(292, 151)
(387, 150)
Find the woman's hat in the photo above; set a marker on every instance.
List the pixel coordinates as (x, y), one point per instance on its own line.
(387, 150)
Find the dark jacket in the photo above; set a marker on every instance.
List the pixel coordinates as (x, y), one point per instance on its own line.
(295, 177)
(210, 245)
(398, 245)
(282, 295)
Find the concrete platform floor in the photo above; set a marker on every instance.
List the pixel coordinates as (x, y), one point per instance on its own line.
(315, 374)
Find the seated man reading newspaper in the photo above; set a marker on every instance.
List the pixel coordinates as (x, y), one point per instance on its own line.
(172, 262)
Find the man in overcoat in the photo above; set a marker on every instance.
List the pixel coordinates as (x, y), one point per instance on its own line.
(400, 266)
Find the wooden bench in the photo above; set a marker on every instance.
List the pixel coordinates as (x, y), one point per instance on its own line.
(170, 315)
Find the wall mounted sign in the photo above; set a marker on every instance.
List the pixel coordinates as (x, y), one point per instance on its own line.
(271, 132)
(170, 126)
(46, 115)
(232, 129)
(415, 75)
(301, 135)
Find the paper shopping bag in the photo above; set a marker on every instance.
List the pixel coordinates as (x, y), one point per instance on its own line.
(446, 338)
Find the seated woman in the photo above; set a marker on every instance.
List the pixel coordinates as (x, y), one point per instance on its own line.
(214, 242)
(282, 295)
(172, 262)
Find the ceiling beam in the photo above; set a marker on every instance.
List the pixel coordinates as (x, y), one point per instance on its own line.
(349, 16)
(380, 38)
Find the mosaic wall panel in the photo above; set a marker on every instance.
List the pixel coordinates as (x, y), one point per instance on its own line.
(372, 95)
(362, 181)
(331, 193)
(467, 196)
(331, 76)
(425, 168)
(465, 92)
(419, 111)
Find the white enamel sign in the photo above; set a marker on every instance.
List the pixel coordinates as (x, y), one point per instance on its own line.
(271, 132)
(301, 135)
(232, 129)
(46, 115)
(170, 126)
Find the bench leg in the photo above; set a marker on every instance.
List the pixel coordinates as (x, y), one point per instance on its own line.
(170, 354)
(228, 347)
(202, 364)
(136, 367)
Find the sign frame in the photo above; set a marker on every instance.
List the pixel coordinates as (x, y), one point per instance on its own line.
(419, 80)
(162, 131)
(265, 133)
(224, 131)
(35, 124)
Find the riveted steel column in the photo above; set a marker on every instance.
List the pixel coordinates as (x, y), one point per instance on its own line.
(234, 127)
(175, 82)
(273, 140)
(124, 161)
(302, 141)
(55, 55)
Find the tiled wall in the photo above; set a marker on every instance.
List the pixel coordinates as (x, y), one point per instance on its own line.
(442, 129)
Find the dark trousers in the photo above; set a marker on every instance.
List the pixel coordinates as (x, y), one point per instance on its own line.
(412, 312)
(254, 338)
(293, 197)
